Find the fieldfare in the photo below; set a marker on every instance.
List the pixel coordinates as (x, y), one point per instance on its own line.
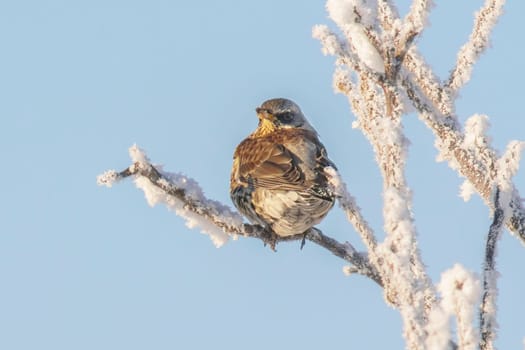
(278, 177)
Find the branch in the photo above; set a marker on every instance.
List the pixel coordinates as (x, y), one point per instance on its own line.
(387, 14)
(479, 171)
(478, 41)
(460, 290)
(438, 112)
(216, 219)
(428, 82)
(353, 214)
(436, 109)
(417, 17)
(487, 317)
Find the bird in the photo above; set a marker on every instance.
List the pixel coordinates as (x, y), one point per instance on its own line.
(279, 179)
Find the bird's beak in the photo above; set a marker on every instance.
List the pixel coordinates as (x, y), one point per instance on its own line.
(264, 114)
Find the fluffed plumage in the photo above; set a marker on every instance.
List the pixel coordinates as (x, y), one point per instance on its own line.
(278, 178)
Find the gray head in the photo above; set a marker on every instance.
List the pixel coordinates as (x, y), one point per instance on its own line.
(280, 113)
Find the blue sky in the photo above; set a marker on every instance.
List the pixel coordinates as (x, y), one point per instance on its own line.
(86, 267)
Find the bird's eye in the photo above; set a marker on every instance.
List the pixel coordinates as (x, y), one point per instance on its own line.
(285, 117)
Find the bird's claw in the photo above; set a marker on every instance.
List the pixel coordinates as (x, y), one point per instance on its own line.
(270, 238)
(303, 241)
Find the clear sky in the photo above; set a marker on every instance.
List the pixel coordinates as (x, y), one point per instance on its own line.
(86, 267)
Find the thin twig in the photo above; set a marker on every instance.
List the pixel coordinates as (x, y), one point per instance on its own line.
(477, 43)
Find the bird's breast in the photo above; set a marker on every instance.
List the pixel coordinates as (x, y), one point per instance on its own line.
(290, 212)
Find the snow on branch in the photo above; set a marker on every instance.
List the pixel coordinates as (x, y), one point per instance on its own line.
(508, 165)
(419, 73)
(438, 328)
(435, 104)
(476, 133)
(387, 14)
(331, 44)
(353, 213)
(460, 291)
(417, 17)
(479, 40)
(481, 172)
(180, 194)
(356, 18)
(184, 196)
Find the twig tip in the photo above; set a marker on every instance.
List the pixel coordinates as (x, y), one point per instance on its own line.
(108, 178)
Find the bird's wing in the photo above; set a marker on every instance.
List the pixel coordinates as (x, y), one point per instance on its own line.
(321, 187)
(269, 165)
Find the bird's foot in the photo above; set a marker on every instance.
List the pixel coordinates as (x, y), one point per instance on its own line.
(265, 234)
(270, 238)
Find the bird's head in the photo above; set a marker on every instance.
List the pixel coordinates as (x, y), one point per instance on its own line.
(281, 113)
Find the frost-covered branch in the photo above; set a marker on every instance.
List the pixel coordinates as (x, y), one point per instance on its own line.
(434, 103)
(357, 23)
(376, 102)
(377, 96)
(480, 171)
(417, 17)
(184, 196)
(478, 42)
(421, 75)
(352, 211)
(460, 290)
(487, 317)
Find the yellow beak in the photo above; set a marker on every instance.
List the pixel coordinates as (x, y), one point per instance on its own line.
(264, 114)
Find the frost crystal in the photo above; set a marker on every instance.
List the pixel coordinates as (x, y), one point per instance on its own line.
(344, 12)
(108, 178)
(466, 190)
(348, 270)
(330, 42)
(353, 16)
(438, 329)
(475, 131)
(457, 285)
(460, 290)
(363, 46)
(509, 164)
(137, 155)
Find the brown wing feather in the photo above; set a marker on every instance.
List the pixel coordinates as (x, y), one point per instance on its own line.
(269, 165)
